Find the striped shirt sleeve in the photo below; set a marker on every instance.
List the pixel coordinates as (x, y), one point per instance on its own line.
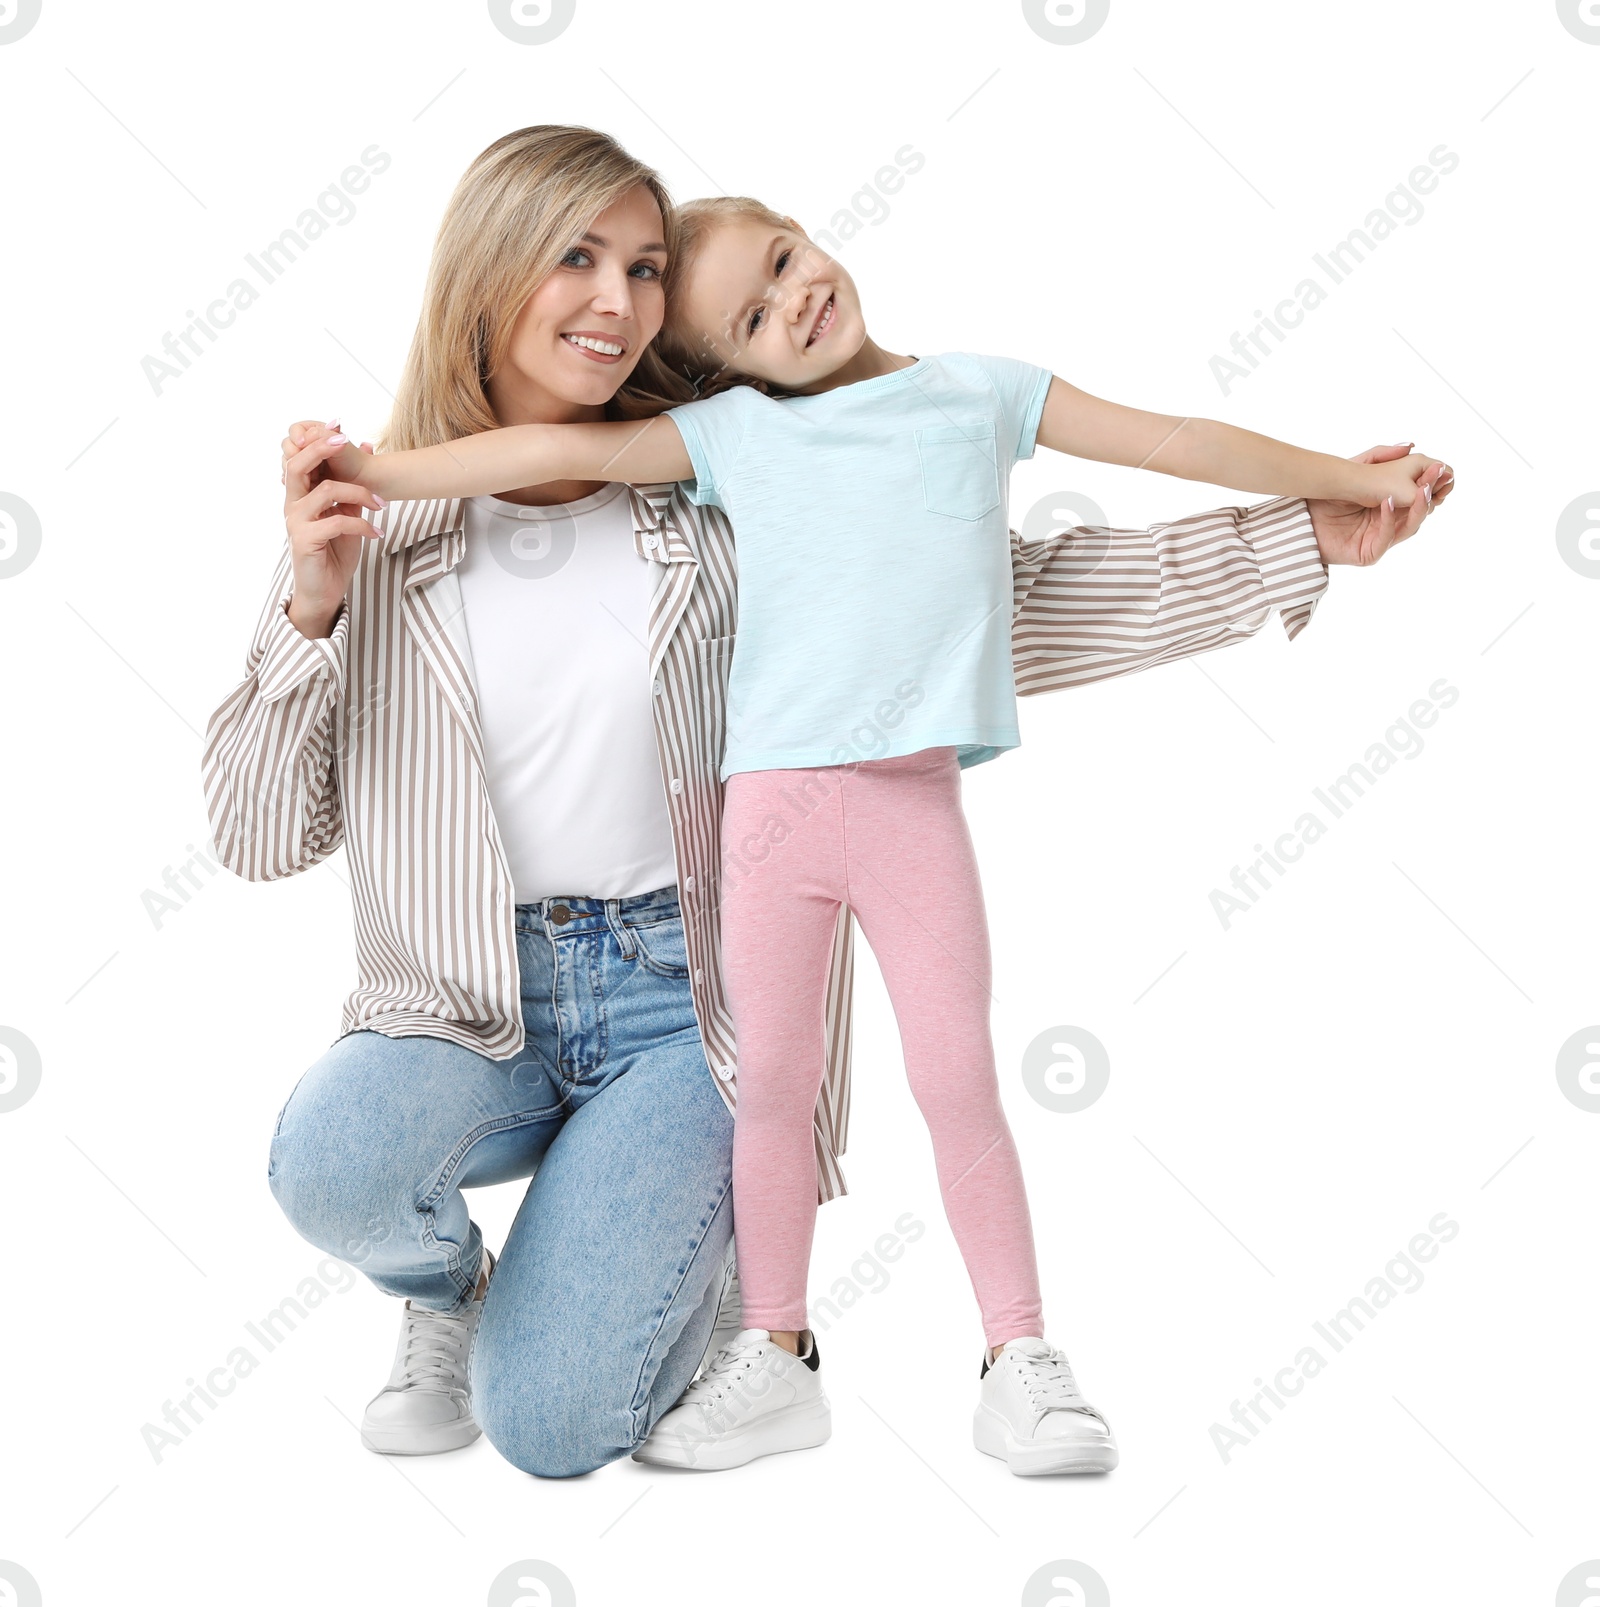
(268, 762)
(1090, 603)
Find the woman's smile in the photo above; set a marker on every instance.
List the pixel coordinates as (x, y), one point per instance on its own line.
(596, 347)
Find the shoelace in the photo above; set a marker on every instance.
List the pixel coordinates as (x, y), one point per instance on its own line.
(435, 1346)
(1047, 1378)
(723, 1372)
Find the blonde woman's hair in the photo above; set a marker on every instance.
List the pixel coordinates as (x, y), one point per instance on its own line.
(513, 216)
(697, 355)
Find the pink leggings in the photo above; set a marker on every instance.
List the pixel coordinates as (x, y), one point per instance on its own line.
(886, 837)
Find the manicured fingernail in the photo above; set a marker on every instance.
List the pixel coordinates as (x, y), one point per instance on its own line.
(1391, 504)
(378, 501)
(377, 529)
(338, 440)
(1404, 443)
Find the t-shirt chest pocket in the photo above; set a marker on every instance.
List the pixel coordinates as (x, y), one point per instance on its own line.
(960, 475)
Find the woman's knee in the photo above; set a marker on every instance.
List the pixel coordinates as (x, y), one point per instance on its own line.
(343, 1201)
(555, 1423)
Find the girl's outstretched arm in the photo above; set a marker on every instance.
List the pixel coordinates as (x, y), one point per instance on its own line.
(1220, 454)
(641, 451)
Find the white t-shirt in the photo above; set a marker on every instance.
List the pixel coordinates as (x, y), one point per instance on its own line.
(556, 603)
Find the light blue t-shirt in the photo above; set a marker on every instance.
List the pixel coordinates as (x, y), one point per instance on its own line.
(874, 553)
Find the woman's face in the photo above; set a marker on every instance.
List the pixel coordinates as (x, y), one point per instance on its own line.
(583, 330)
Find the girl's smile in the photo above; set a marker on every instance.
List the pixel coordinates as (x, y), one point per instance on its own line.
(824, 322)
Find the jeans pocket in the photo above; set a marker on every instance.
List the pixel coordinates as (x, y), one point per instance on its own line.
(960, 476)
(663, 947)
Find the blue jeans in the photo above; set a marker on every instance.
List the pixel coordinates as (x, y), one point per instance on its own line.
(605, 1293)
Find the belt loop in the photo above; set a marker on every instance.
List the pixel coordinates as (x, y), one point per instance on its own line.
(624, 933)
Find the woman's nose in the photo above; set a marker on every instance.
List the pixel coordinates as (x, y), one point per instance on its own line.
(614, 294)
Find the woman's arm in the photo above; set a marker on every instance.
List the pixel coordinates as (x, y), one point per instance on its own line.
(1220, 454)
(268, 763)
(1091, 603)
(640, 451)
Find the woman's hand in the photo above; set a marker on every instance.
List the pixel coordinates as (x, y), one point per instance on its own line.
(322, 514)
(1356, 532)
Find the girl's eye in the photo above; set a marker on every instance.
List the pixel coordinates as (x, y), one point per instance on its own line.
(778, 266)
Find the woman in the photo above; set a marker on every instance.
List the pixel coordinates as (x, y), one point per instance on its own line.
(510, 710)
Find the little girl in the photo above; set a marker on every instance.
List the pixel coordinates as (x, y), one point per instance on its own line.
(868, 496)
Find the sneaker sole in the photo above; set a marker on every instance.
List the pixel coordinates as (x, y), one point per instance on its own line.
(993, 1438)
(420, 1442)
(796, 1428)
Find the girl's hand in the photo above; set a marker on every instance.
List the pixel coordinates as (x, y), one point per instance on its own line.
(1393, 481)
(342, 461)
(322, 514)
(1359, 530)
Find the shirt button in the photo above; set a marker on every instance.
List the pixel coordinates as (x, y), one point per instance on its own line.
(676, 784)
(699, 976)
(725, 1073)
(657, 687)
(652, 542)
(688, 884)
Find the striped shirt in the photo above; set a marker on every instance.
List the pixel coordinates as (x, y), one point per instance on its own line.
(371, 738)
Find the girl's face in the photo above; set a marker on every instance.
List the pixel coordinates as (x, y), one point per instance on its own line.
(771, 304)
(583, 330)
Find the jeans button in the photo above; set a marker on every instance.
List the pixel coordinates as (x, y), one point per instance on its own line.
(560, 914)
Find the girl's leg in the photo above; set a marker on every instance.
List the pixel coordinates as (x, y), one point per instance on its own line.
(913, 885)
(781, 889)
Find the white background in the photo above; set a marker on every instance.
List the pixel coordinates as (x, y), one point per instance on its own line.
(1373, 1043)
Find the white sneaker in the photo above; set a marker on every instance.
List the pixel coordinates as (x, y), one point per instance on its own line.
(754, 1399)
(427, 1404)
(1031, 1414)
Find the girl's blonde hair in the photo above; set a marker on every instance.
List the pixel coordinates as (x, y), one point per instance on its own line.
(513, 216)
(697, 355)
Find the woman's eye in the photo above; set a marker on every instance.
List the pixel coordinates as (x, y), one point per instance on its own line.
(646, 270)
(577, 257)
